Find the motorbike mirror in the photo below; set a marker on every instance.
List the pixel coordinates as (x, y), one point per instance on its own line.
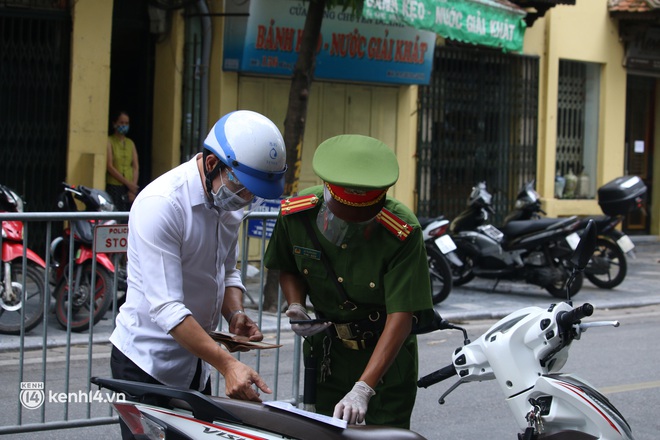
(586, 247)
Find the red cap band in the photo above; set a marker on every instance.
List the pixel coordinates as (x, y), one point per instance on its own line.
(355, 198)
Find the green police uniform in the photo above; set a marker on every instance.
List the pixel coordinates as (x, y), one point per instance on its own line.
(383, 269)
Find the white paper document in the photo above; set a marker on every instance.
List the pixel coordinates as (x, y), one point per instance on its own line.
(285, 406)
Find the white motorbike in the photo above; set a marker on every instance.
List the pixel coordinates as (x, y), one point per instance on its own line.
(524, 352)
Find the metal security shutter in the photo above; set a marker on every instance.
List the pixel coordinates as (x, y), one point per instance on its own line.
(34, 101)
(477, 122)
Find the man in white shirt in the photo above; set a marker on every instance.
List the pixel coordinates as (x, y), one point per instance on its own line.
(182, 254)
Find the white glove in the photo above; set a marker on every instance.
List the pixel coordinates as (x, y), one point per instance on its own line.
(353, 407)
(296, 312)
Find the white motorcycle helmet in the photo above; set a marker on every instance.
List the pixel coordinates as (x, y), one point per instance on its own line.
(252, 146)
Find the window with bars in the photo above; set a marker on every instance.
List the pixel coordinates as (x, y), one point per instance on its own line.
(578, 106)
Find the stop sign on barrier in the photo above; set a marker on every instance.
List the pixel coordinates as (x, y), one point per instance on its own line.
(110, 238)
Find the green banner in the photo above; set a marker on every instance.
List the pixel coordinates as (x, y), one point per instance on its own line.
(485, 22)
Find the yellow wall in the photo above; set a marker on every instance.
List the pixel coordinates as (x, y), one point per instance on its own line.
(583, 32)
(406, 142)
(167, 105)
(90, 92)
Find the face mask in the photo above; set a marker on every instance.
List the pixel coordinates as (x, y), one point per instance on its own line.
(122, 129)
(227, 200)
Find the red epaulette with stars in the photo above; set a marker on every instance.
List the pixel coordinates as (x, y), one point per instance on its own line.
(291, 205)
(394, 224)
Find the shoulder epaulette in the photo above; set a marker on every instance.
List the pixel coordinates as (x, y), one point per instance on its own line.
(394, 224)
(291, 205)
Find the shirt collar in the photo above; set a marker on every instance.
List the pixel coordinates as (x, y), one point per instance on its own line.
(195, 184)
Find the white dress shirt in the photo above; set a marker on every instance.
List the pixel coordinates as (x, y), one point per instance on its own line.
(181, 256)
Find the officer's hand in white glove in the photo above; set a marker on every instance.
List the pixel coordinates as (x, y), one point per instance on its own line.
(296, 312)
(353, 407)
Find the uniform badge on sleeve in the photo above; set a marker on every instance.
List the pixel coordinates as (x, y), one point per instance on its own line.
(394, 224)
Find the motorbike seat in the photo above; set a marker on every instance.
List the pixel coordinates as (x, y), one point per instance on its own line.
(600, 220)
(523, 227)
(294, 426)
(254, 414)
(424, 221)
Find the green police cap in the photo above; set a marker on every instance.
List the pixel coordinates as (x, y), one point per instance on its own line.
(357, 171)
(356, 161)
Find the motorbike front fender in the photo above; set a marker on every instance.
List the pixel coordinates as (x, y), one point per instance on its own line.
(453, 259)
(569, 402)
(12, 251)
(85, 253)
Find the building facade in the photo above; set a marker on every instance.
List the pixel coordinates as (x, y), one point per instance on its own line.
(164, 62)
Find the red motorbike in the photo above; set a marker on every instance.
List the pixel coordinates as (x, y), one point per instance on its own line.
(90, 293)
(22, 288)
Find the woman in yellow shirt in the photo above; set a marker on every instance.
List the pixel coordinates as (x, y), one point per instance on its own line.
(122, 164)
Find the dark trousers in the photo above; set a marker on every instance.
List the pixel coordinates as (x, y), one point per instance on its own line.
(119, 195)
(124, 368)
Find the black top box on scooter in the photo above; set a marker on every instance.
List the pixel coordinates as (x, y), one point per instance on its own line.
(621, 195)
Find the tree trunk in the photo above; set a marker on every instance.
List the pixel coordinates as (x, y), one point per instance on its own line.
(294, 123)
(301, 82)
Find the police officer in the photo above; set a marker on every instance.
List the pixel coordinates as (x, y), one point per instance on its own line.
(359, 257)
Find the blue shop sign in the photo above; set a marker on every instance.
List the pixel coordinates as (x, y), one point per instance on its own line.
(267, 41)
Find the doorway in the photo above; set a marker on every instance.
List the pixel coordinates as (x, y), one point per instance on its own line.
(640, 114)
(132, 76)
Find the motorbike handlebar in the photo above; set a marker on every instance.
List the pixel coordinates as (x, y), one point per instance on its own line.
(567, 319)
(437, 376)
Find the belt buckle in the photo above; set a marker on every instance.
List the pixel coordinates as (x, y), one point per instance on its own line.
(344, 331)
(351, 344)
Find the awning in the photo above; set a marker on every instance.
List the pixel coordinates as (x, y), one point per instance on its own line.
(494, 23)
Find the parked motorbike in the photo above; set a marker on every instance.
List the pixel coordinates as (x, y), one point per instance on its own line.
(439, 249)
(534, 251)
(608, 266)
(524, 353)
(22, 295)
(89, 291)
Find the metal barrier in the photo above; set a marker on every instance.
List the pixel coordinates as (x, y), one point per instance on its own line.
(47, 371)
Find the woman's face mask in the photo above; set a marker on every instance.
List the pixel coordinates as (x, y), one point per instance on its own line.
(122, 129)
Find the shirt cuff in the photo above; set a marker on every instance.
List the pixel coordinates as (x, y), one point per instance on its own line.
(170, 316)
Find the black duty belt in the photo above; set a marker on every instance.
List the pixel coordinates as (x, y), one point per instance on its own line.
(360, 334)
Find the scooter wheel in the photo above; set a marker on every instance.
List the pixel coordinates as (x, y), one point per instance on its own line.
(81, 296)
(559, 290)
(441, 280)
(462, 274)
(29, 296)
(608, 265)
